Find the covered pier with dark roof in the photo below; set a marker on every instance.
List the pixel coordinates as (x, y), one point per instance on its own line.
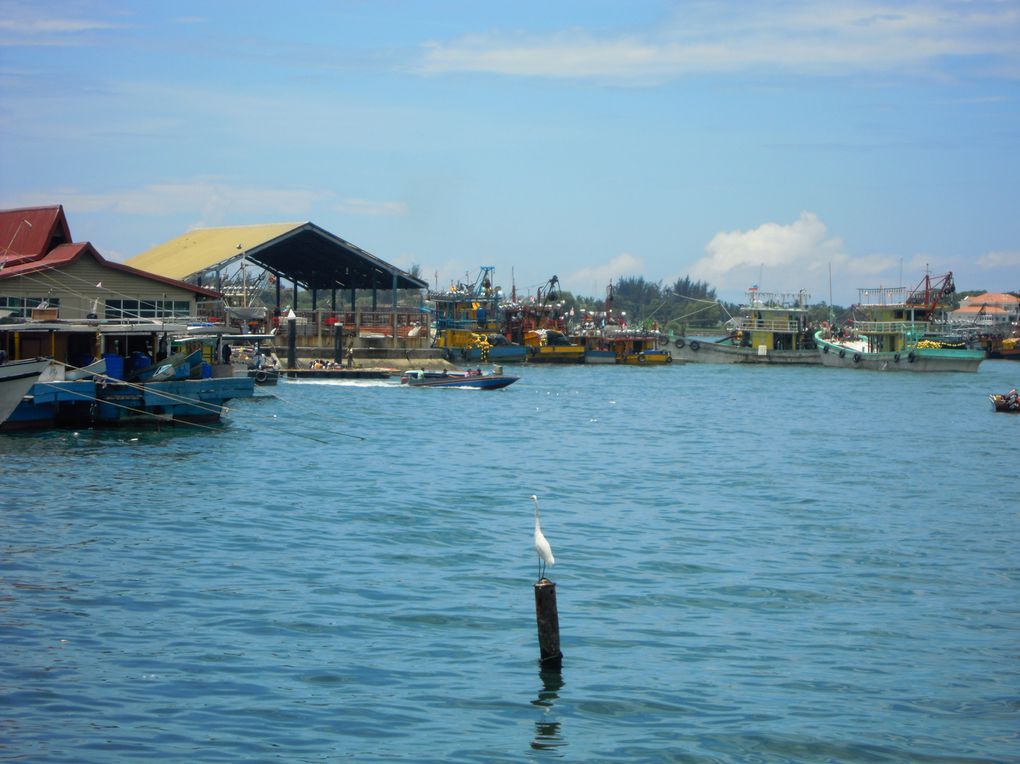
(304, 254)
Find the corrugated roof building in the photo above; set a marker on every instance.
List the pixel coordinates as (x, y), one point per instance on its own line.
(303, 253)
(41, 265)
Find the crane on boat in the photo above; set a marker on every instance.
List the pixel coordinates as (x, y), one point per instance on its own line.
(930, 292)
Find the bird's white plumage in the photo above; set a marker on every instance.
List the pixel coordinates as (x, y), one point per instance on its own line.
(542, 547)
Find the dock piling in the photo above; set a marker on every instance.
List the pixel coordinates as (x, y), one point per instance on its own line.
(291, 340)
(548, 625)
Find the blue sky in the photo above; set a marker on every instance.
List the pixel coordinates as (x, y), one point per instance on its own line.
(732, 142)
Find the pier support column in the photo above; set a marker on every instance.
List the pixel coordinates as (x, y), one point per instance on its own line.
(291, 340)
(338, 343)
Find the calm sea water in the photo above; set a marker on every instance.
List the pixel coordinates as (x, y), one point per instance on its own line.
(753, 565)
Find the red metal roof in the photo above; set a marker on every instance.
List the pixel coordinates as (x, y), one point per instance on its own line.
(64, 254)
(31, 232)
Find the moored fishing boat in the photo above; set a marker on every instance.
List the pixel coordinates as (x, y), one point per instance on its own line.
(772, 328)
(469, 322)
(609, 346)
(551, 346)
(1001, 347)
(540, 324)
(132, 386)
(897, 333)
(607, 338)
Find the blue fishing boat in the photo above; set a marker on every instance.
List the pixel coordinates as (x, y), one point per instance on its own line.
(475, 379)
(73, 392)
(469, 322)
(104, 402)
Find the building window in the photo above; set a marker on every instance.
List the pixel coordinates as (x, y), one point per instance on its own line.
(21, 307)
(129, 309)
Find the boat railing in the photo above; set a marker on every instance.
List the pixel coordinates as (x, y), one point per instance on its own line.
(466, 324)
(910, 328)
(757, 299)
(882, 296)
(785, 326)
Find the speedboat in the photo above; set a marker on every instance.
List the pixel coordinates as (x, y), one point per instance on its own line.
(472, 378)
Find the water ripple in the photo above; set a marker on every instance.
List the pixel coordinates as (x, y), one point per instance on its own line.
(770, 565)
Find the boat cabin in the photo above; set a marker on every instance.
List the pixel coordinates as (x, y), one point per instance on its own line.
(774, 321)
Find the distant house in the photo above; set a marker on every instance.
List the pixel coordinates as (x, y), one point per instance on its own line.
(43, 269)
(991, 309)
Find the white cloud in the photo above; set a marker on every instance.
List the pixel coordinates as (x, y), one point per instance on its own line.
(39, 24)
(999, 260)
(597, 277)
(794, 38)
(784, 258)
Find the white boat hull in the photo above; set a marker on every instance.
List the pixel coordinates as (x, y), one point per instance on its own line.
(16, 379)
(921, 359)
(696, 351)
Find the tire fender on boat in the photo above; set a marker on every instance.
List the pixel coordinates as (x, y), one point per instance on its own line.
(842, 353)
(669, 359)
(825, 348)
(911, 356)
(261, 376)
(896, 358)
(680, 343)
(857, 357)
(695, 345)
(640, 359)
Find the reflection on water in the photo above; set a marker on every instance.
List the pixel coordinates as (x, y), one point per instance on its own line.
(547, 730)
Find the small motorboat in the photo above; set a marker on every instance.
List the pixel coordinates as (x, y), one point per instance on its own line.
(472, 378)
(1009, 402)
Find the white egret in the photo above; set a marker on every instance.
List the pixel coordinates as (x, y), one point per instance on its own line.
(545, 554)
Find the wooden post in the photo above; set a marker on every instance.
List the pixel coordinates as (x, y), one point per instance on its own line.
(393, 307)
(548, 625)
(292, 341)
(338, 343)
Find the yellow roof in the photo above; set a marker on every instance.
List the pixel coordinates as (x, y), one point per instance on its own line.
(203, 248)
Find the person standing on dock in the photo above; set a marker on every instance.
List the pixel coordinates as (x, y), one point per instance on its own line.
(350, 357)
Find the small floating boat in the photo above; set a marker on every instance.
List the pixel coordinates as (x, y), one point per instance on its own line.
(1010, 402)
(491, 381)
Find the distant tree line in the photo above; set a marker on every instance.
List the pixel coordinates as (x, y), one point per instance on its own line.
(676, 307)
